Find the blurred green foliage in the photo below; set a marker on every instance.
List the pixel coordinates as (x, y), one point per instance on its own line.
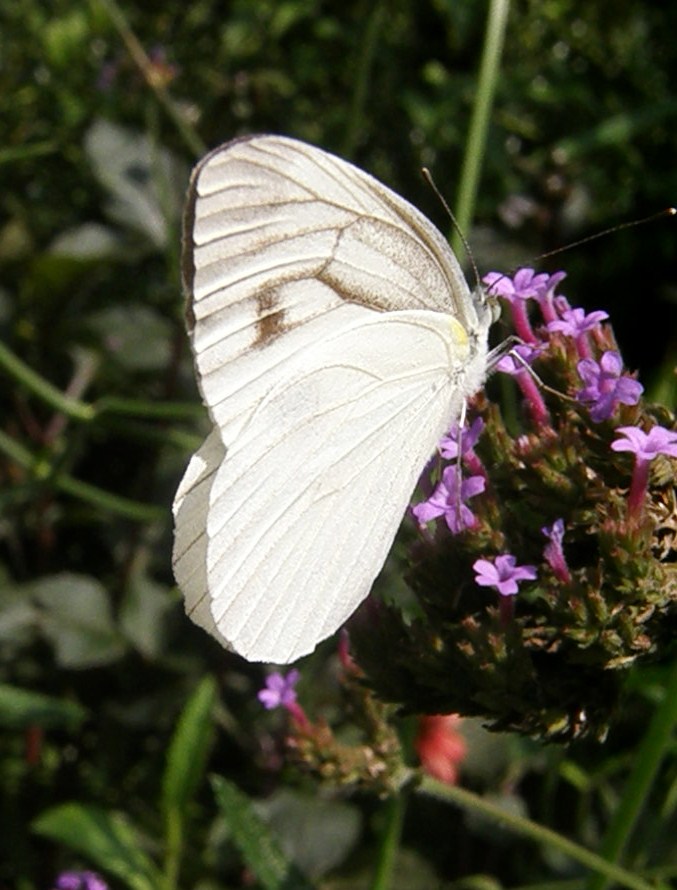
(109, 714)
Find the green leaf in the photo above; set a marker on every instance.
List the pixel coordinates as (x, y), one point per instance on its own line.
(189, 748)
(20, 708)
(255, 842)
(88, 243)
(316, 834)
(18, 616)
(144, 615)
(106, 838)
(136, 337)
(77, 619)
(145, 183)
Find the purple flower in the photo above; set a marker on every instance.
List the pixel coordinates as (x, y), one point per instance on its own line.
(445, 501)
(502, 573)
(509, 364)
(575, 323)
(524, 285)
(469, 435)
(645, 447)
(279, 690)
(553, 551)
(547, 299)
(605, 386)
(80, 880)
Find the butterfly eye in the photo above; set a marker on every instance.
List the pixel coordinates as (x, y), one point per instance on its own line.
(494, 308)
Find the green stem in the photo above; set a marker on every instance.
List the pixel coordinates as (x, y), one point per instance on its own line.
(390, 840)
(545, 836)
(26, 376)
(361, 81)
(174, 842)
(479, 123)
(86, 412)
(141, 408)
(655, 745)
(42, 472)
(138, 55)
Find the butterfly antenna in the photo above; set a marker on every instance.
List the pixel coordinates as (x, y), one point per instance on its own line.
(669, 211)
(427, 175)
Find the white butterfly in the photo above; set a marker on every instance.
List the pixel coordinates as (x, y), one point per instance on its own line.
(335, 342)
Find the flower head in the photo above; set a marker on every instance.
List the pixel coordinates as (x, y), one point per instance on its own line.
(546, 297)
(523, 354)
(447, 501)
(468, 435)
(649, 445)
(605, 386)
(574, 322)
(279, 690)
(524, 285)
(553, 552)
(516, 363)
(645, 447)
(80, 880)
(502, 573)
(440, 746)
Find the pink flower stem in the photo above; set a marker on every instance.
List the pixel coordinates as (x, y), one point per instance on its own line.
(548, 310)
(532, 394)
(520, 321)
(475, 465)
(298, 715)
(583, 345)
(638, 488)
(506, 608)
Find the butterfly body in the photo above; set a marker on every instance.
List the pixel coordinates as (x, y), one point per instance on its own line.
(335, 341)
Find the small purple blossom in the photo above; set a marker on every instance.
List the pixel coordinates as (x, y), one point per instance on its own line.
(575, 323)
(605, 386)
(80, 880)
(553, 552)
(279, 690)
(445, 501)
(524, 285)
(511, 364)
(502, 573)
(547, 299)
(645, 447)
(468, 435)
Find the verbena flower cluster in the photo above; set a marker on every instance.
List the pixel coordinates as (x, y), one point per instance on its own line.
(544, 560)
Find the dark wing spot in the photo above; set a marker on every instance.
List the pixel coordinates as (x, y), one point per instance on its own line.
(270, 323)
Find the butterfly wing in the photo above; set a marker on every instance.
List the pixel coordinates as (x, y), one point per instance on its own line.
(304, 508)
(279, 233)
(334, 340)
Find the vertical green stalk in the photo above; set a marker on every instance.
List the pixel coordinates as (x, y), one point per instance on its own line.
(656, 742)
(364, 65)
(140, 58)
(479, 123)
(390, 840)
(174, 849)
